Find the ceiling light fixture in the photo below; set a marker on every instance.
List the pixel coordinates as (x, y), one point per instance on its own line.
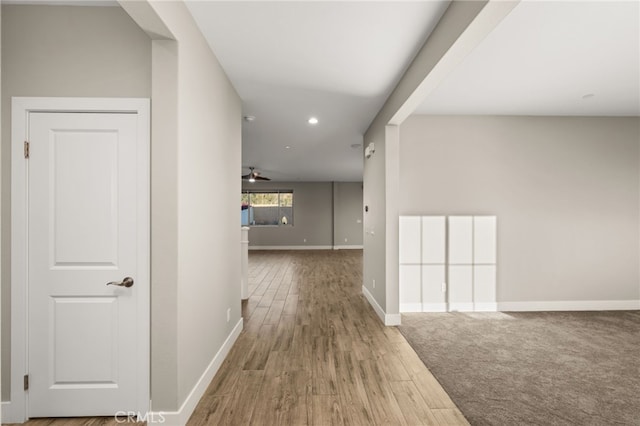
(252, 179)
(588, 96)
(249, 118)
(287, 147)
(313, 120)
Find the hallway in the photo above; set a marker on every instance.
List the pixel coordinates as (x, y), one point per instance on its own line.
(314, 352)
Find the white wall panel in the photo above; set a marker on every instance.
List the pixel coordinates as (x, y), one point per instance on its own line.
(409, 240)
(460, 240)
(484, 283)
(434, 240)
(468, 272)
(461, 287)
(410, 293)
(433, 277)
(484, 239)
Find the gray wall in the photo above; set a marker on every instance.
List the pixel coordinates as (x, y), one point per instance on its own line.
(374, 198)
(315, 214)
(347, 213)
(62, 51)
(565, 191)
(312, 216)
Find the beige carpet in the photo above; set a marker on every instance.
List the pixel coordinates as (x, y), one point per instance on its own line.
(542, 368)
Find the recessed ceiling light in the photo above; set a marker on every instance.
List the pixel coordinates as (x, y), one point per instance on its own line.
(588, 96)
(287, 147)
(313, 120)
(249, 118)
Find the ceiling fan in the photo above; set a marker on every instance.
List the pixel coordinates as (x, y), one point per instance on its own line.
(253, 176)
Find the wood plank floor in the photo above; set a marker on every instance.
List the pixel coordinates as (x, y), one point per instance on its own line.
(313, 352)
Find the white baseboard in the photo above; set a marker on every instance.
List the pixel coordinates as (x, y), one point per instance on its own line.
(461, 307)
(556, 305)
(392, 319)
(354, 247)
(442, 307)
(373, 303)
(571, 305)
(434, 307)
(6, 416)
(181, 417)
(411, 307)
(387, 319)
(290, 247)
(485, 307)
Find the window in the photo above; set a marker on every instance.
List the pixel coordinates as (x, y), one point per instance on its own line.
(267, 208)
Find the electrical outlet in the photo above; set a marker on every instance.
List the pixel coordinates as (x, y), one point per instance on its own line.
(374, 283)
(444, 287)
(228, 314)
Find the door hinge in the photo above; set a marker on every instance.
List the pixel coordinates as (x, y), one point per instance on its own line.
(26, 149)
(26, 382)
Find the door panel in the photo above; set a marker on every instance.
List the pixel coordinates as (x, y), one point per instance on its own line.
(84, 195)
(82, 235)
(84, 327)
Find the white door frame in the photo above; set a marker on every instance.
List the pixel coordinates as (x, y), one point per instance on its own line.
(16, 411)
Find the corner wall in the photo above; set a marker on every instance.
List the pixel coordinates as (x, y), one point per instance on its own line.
(565, 191)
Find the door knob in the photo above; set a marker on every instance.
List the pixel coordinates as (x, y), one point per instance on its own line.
(126, 282)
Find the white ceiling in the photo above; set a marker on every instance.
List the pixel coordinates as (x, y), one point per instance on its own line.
(544, 57)
(337, 61)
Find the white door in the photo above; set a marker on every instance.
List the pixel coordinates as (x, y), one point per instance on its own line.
(83, 335)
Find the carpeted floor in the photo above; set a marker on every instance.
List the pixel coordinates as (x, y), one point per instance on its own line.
(537, 368)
